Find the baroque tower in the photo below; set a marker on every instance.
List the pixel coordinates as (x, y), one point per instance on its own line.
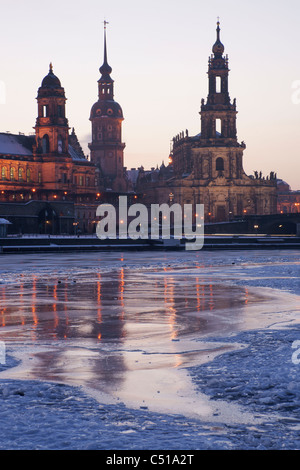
(218, 114)
(207, 168)
(51, 128)
(107, 149)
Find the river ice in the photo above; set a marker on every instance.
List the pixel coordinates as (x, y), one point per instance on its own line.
(150, 350)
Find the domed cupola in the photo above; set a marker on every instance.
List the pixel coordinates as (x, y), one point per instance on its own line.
(51, 80)
(51, 126)
(218, 47)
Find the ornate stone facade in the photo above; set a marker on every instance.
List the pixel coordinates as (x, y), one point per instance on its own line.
(49, 167)
(47, 184)
(208, 168)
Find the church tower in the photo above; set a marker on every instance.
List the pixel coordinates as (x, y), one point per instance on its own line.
(51, 127)
(208, 167)
(218, 114)
(106, 117)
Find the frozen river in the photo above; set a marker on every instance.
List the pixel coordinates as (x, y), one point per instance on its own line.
(139, 329)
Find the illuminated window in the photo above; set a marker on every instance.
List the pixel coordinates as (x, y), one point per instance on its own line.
(20, 174)
(4, 173)
(40, 177)
(12, 174)
(28, 175)
(80, 180)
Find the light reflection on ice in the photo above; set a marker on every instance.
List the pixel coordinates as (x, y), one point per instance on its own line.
(126, 327)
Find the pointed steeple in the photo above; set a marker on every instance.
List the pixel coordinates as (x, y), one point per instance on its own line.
(105, 82)
(106, 117)
(105, 69)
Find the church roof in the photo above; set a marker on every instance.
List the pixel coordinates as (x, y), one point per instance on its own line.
(16, 144)
(21, 145)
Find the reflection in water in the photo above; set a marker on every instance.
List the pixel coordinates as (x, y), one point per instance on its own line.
(98, 329)
(101, 307)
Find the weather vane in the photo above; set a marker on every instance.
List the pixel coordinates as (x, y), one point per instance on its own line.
(105, 23)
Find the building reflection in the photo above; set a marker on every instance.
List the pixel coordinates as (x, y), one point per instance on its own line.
(109, 309)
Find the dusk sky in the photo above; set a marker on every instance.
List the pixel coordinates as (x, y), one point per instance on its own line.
(159, 53)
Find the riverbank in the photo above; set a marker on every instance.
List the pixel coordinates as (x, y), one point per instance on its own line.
(31, 244)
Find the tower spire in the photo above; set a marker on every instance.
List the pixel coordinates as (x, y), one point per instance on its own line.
(218, 47)
(105, 69)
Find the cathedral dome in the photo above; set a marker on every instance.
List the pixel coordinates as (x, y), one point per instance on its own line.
(51, 80)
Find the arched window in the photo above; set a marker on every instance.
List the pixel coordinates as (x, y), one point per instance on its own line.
(12, 174)
(45, 144)
(20, 173)
(4, 172)
(220, 164)
(28, 175)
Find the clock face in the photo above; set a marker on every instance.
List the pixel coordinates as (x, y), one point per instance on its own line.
(98, 111)
(109, 112)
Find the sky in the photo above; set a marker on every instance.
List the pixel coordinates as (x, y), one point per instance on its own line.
(159, 53)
